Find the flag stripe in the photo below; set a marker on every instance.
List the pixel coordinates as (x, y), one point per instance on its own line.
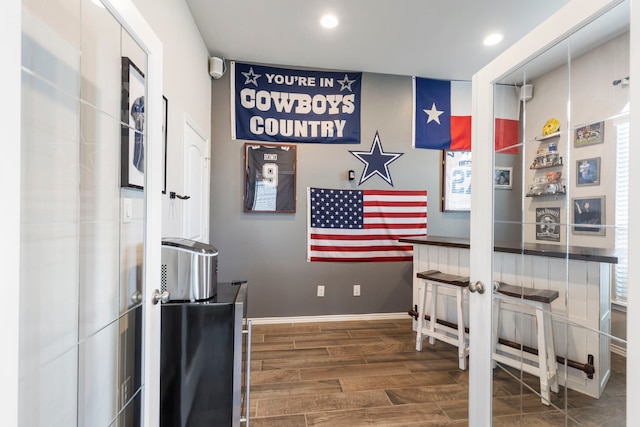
(364, 225)
(319, 236)
(460, 133)
(362, 259)
(507, 135)
(360, 248)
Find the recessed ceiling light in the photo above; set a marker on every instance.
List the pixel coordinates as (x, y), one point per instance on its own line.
(492, 39)
(329, 21)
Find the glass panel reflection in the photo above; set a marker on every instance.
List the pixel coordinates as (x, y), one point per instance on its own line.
(567, 241)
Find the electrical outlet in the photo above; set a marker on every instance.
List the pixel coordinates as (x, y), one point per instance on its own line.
(356, 290)
(320, 290)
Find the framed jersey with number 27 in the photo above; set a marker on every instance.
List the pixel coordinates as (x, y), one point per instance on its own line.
(270, 178)
(456, 181)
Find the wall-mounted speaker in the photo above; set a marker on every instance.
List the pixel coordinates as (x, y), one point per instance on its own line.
(526, 92)
(216, 67)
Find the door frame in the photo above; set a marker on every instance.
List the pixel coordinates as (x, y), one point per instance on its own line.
(558, 27)
(134, 23)
(10, 121)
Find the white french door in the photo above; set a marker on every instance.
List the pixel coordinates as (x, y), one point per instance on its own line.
(140, 31)
(568, 59)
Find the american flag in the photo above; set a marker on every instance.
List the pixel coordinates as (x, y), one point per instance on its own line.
(364, 225)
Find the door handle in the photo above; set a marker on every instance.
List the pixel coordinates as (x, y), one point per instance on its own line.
(159, 296)
(136, 297)
(476, 287)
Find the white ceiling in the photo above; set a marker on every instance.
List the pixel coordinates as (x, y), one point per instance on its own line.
(428, 38)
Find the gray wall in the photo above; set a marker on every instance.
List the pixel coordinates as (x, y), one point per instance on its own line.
(269, 250)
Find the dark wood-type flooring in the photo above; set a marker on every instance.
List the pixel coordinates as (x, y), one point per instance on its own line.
(367, 373)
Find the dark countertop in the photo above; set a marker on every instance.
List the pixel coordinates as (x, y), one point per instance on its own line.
(537, 249)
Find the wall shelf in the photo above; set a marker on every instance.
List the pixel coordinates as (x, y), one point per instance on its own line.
(546, 189)
(545, 137)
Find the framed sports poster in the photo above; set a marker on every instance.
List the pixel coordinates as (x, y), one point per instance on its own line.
(588, 215)
(588, 172)
(589, 134)
(270, 178)
(456, 181)
(132, 151)
(548, 224)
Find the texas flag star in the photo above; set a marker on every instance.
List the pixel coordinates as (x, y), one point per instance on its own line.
(434, 114)
(251, 77)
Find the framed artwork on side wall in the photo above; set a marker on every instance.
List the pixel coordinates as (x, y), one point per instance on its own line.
(132, 144)
(588, 172)
(588, 215)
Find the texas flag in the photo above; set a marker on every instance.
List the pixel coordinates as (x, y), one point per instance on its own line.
(506, 110)
(442, 115)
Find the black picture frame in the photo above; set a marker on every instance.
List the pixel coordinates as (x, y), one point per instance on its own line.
(165, 115)
(589, 215)
(588, 172)
(456, 181)
(132, 144)
(270, 178)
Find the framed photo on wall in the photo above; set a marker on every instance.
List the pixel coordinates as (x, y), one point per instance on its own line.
(270, 178)
(588, 215)
(132, 144)
(590, 134)
(588, 172)
(548, 224)
(502, 177)
(456, 181)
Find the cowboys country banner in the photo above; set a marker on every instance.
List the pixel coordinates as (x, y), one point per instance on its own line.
(283, 105)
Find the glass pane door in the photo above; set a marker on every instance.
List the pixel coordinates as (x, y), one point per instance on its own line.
(559, 204)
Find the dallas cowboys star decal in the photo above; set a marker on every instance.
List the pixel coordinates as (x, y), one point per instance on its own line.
(376, 161)
(251, 77)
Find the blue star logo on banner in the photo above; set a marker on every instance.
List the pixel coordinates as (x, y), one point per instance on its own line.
(376, 161)
(346, 83)
(251, 77)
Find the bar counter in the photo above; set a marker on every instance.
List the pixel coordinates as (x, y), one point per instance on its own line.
(536, 249)
(581, 275)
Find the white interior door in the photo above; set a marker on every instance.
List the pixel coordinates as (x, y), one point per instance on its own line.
(196, 183)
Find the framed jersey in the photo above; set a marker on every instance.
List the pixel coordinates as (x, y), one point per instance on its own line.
(269, 178)
(456, 181)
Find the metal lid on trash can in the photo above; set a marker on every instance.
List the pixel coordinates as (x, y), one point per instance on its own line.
(190, 245)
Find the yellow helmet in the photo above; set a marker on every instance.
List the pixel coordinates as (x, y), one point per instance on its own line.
(551, 126)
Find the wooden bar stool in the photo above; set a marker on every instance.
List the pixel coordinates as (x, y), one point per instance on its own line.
(451, 334)
(544, 365)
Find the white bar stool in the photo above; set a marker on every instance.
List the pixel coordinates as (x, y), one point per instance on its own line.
(544, 364)
(453, 334)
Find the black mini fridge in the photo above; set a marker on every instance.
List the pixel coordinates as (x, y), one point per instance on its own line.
(204, 379)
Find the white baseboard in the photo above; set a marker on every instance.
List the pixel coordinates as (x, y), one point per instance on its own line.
(328, 318)
(619, 350)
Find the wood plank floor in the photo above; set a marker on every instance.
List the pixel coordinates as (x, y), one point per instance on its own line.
(367, 373)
